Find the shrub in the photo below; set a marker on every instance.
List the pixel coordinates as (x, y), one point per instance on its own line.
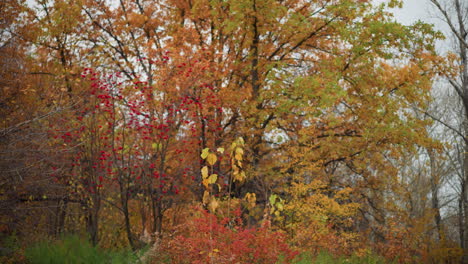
(208, 239)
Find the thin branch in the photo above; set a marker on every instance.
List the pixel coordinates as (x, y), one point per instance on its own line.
(450, 23)
(444, 124)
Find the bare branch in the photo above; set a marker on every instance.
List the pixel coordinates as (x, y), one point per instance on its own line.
(450, 23)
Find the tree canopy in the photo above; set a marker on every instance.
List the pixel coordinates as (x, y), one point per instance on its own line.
(248, 121)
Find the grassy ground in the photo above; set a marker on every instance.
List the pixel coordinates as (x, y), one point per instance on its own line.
(325, 258)
(73, 250)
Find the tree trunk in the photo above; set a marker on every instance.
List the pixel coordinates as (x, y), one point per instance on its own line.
(92, 224)
(157, 218)
(124, 201)
(461, 227)
(60, 217)
(435, 183)
(464, 199)
(127, 224)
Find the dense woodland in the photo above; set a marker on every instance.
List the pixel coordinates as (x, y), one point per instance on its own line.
(234, 131)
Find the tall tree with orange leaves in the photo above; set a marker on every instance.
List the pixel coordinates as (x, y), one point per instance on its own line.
(319, 90)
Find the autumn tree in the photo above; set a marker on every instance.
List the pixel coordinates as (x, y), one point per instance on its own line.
(320, 93)
(25, 106)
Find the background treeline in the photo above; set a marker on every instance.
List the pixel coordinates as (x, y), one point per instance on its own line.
(226, 131)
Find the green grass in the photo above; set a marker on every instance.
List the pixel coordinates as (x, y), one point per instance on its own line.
(326, 258)
(73, 250)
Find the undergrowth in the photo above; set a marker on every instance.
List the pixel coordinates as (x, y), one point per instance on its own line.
(74, 250)
(326, 258)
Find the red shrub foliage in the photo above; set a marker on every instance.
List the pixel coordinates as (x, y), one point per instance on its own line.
(208, 239)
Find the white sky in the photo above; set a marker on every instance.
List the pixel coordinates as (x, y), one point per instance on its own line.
(413, 10)
(424, 10)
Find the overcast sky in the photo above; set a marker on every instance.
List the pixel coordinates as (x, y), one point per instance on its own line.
(414, 10)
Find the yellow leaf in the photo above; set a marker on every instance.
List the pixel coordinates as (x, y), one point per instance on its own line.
(206, 197)
(212, 179)
(205, 153)
(233, 145)
(213, 205)
(205, 182)
(279, 206)
(211, 159)
(239, 176)
(220, 150)
(239, 151)
(204, 172)
(242, 175)
(156, 146)
(251, 199)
